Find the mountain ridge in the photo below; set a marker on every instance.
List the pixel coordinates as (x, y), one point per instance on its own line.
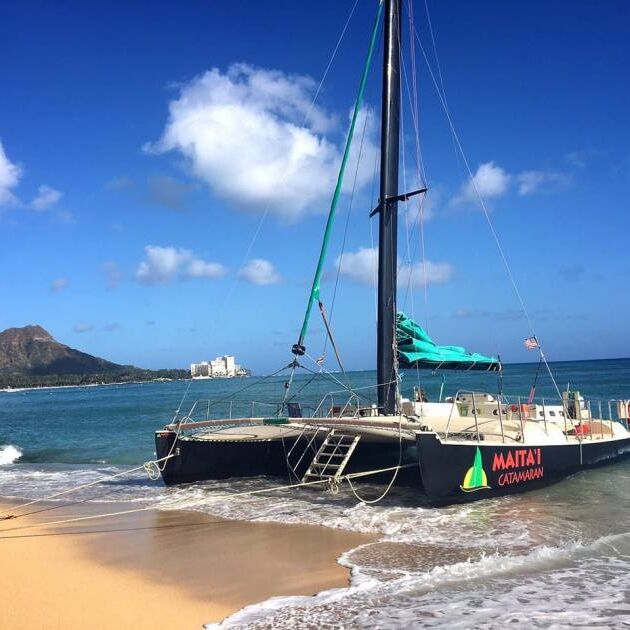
(32, 351)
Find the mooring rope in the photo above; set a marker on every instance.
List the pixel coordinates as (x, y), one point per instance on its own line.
(8, 514)
(80, 519)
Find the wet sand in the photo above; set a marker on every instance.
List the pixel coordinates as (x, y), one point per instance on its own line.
(156, 569)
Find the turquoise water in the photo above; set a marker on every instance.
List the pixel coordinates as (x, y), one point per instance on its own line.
(557, 557)
(114, 424)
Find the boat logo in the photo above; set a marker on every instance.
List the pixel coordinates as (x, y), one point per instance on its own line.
(476, 478)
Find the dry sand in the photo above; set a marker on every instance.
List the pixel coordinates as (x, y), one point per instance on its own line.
(156, 570)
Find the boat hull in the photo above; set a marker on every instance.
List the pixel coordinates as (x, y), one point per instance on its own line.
(202, 460)
(462, 472)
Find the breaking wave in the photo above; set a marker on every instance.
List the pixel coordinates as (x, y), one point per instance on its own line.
(9, 454)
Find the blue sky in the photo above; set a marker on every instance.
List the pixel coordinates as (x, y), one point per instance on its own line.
(144, 145)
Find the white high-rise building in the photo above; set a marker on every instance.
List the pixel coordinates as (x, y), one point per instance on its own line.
(220, 367)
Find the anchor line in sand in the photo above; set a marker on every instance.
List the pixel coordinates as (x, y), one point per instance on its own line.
(196, 503)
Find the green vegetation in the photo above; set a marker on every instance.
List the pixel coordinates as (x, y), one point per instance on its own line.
(130, 375)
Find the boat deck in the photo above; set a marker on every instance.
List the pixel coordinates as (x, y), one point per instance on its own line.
(248, 433)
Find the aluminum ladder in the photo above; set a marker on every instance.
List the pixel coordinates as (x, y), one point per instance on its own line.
(332, 457)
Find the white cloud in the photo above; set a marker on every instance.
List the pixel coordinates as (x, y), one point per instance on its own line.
(253, 137)
(532, 181)
(163, 264)
(202, 269)
(489, 181)
(58, 285)
(361, 266)
(492, 181)
(418, 274)
(46, 197)
(260, 271)
(9, 177)
(423, 207)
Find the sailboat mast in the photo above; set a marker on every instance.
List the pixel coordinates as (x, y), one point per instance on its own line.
(388, 210)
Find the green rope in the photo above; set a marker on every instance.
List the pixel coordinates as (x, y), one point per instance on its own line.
(315, 290)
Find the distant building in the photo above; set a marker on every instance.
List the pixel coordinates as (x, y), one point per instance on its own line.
(221, 367)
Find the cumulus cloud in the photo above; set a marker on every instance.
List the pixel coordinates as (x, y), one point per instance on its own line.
(46, 197)
(260, 271)
(83, 328)
(423, 208)
(201, 269)
(362, 266)
(492, 181)
(253, 137)
(163, 264)
(9, 177)
(419, 274)
(489, 181)
(58, 285)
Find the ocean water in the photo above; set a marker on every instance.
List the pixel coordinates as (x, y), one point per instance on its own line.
(557, 557)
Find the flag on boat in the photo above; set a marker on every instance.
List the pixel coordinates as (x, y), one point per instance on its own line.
(531, 343)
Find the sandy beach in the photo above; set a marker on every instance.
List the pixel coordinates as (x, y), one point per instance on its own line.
(156, 569)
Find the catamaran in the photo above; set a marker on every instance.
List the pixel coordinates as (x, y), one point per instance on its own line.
(470, 446)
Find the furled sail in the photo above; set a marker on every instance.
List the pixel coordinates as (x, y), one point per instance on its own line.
(417, 349)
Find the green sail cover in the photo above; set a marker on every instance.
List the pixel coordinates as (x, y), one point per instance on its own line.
(417, 349)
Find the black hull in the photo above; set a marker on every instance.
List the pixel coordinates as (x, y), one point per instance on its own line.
(202, 460)
(460, 472)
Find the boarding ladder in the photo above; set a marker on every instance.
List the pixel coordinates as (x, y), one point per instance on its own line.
(332, 457)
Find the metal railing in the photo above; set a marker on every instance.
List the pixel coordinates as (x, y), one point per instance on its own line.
(575, 416)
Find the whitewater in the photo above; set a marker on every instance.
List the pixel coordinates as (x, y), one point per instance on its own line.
(554, 558)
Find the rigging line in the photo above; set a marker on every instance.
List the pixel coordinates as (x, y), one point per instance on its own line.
(419, 159)
(393, 236)
(183, 398)
(440, 76)
(315, 287)
(419, 219)
(325, 372)
(89, 484)
(322, 310)
(487, 216)
(306, 117)
(259, 381)
(392, 480)
(408, 288)
(345, 231)
(373, 205)
(422, 179)
(178, 505)
(295, 394)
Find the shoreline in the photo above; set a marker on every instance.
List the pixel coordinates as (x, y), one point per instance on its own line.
(11, 390)
(161, 569)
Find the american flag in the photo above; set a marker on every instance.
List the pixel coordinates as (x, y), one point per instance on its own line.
(531, 343)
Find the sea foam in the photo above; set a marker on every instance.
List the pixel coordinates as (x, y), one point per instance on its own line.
(9, 454)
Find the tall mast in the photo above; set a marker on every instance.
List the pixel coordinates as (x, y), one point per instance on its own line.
(388, 211)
